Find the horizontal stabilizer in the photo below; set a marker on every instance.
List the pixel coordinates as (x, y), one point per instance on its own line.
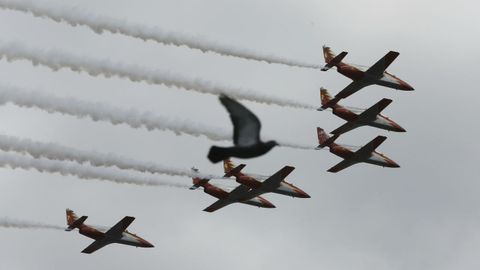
(198, 182)
(76, 223)
(331, 62)
(235, 171)
(324, 139)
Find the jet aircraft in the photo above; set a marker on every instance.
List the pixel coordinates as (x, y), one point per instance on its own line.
(275, 183)
(104, 236)
(353, 156)
(238, 195)
(368, 117)
(362, 76)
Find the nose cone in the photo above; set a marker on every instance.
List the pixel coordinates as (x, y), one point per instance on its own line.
(301, 193)
(392, 164)
(269, 205)
(396, 127)
(146, 244)
(400, 129)
(405, 86)
(266, 204)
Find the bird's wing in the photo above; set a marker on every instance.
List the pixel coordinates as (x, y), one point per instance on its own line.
(246, 126)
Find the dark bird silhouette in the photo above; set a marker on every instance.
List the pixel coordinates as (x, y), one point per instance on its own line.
(246, 134)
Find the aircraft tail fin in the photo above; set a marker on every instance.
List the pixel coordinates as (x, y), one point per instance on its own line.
(324, 139)
(228, 165)
(327, 100)
(73, 221)
(331, 59)
(198, 182)
(231, 170)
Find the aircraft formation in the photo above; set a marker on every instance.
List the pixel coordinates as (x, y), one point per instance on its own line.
(362, 77)
(247, 144)
(246, 139)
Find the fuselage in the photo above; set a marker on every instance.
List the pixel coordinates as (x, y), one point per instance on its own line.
(374, 157)
(379, 121)
(221, 194)
(358, 73)
(127, 238)
(284, 188)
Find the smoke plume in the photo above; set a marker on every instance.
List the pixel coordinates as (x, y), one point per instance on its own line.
(83, 172)
(55, 151)
(99, 24)
(6, 222)
(56, 59)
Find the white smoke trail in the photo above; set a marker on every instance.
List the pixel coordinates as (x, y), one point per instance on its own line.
(83, 172)
(296, 145)
(56, 59)
(6, 222)
(58, 152)
(99, 24)
(103, 112)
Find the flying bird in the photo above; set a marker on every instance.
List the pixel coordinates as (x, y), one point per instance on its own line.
(246, 134)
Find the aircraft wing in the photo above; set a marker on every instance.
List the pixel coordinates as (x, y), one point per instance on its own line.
(369, 114)
(270, 184)
(274, 181)
(371, 146)
(372, 112)
(342, 165)
(95, 246)
(217, 205)
(345, 128)
(120, 227)
(347, 91)
(381, 65)
(234, 196)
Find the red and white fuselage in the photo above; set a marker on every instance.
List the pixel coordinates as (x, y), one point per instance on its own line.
(355, 118)
(103, 235)
(375, 158)
(359, 73)
(257, 182)
(222, 194)
(127, 238)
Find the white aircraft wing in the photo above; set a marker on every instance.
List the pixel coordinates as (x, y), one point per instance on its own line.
(381, 65)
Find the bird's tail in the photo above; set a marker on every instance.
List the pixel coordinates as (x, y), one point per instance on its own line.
(217, 154)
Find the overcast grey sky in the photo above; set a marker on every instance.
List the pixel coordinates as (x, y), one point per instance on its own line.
(424, 215)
